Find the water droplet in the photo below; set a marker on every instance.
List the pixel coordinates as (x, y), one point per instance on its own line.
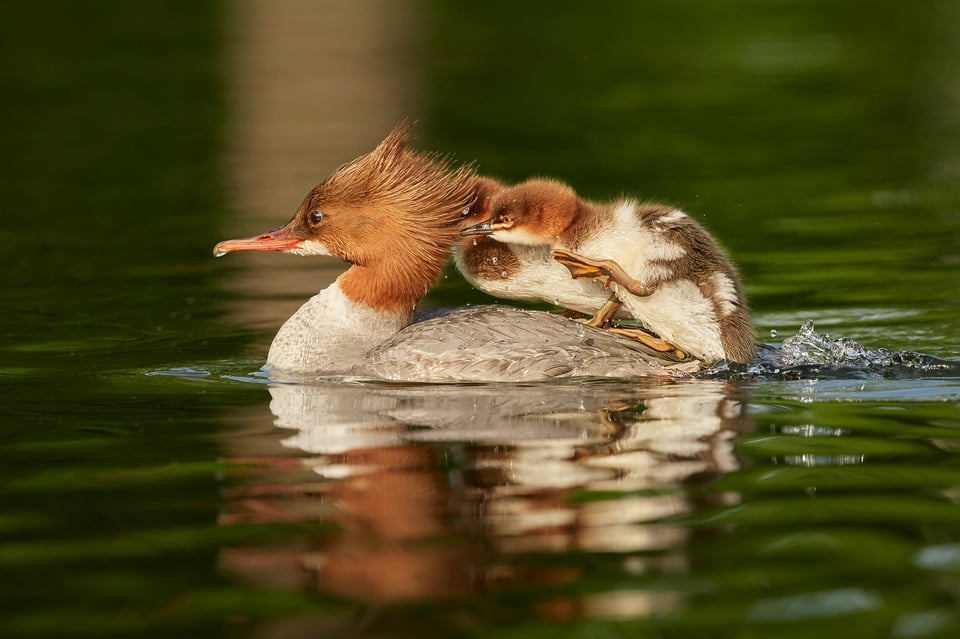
(773, 332)
(474, 241)
(466, 211)
(494, 260)
(219, 253)
(503, 273)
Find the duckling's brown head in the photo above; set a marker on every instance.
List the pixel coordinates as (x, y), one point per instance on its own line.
(485, 189)
(534, 212)
(390, 201)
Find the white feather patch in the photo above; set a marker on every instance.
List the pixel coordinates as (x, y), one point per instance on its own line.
(726, 293)
(679, 313)
(521, 236)
(673, 216)
(310, 247)
(657, 273)
(631, 245)
(539, 277)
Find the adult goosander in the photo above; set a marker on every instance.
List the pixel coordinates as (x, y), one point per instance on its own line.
(393, 214)
(664, 268)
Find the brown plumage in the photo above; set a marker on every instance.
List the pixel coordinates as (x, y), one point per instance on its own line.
(704, 258)
(366, 206)
(484, 257)
(484, 190)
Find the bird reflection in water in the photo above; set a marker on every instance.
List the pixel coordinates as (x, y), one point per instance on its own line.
(443, 492)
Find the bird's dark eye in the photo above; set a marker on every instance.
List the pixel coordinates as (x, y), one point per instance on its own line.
(315, 216)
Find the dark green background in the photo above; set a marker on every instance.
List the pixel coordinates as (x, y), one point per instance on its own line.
(817, 139)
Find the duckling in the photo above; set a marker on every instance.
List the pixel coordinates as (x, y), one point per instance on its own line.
(664, 268)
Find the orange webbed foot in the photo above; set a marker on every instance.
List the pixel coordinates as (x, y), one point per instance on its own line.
(652, 342)
(606, 271)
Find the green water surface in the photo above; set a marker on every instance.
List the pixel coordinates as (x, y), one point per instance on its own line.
(148, 486)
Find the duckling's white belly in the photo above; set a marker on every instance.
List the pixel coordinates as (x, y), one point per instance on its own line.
(639, 250)
(539, 276)
(551, 282)
(679, 313)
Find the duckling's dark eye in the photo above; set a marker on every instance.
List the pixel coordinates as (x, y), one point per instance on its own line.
(315, 216)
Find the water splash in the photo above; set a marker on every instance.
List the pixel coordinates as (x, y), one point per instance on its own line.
(812, 355)
(809, 347)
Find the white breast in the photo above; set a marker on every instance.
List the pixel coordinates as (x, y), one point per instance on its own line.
(328, 333)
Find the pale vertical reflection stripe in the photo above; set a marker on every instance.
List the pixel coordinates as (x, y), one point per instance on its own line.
(311, 84)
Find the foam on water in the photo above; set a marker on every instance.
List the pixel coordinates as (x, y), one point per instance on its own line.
(813, 355)
(809, 347)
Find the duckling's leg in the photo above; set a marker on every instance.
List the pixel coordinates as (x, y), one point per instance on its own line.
(603, 316)
(606, 271)
(609, 271)
(655, 343)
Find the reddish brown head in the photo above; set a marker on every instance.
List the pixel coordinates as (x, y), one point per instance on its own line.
(534, 212)
(394, 212)
(363, 210)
